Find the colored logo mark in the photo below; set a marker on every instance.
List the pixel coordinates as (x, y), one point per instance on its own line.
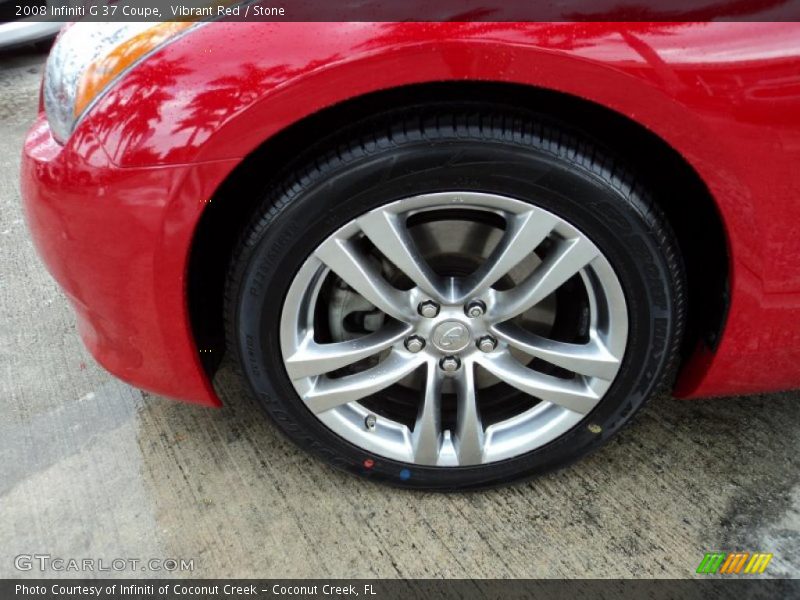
(734, 563)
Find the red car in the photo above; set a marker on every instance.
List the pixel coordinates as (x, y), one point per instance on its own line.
(443, 255)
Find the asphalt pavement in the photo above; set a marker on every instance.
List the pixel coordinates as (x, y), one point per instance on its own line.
(93, 468)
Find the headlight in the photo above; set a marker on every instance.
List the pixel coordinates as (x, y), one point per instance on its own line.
(87, 58)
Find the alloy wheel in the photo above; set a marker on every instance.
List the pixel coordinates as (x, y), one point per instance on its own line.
(374, 308)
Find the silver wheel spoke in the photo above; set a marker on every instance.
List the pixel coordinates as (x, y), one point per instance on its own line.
(524, 233)
(469, 435)
(329, 393)
(572, 394)
(592, 359)
(312, 358)
(569, 257)
(344, 259)
(427, 436)
(390, 235)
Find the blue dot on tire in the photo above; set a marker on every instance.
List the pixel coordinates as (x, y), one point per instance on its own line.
(405, 474)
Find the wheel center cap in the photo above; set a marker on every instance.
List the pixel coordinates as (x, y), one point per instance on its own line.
(450, 336)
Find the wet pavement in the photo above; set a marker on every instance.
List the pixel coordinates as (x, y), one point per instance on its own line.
(93, 468)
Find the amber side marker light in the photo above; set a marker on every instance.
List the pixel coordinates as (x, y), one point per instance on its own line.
(102, 71)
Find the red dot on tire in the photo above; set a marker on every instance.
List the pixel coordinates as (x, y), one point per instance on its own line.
(369, 463)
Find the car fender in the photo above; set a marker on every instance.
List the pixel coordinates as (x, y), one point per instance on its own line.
(703, 88)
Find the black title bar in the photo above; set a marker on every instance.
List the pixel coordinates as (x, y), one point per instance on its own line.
(401, 10)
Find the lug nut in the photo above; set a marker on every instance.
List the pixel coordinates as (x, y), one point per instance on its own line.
(487, 343)
(450, 364)
(370, 422)
(414, 343)
(428, 309)
(474, 309)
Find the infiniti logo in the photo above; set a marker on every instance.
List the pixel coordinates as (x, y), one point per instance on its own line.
(450, 336)
(453, 336)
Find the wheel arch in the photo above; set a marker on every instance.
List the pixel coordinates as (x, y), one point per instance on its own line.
(679, 189)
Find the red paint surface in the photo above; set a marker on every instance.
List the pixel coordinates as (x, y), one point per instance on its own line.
(113, 212)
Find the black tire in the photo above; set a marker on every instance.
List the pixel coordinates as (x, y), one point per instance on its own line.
(440, 148)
